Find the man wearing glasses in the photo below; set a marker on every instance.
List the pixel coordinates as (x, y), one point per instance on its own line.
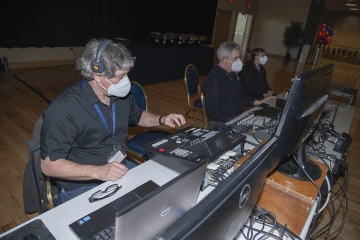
(253, 76)
(85, 128)
(225, 97)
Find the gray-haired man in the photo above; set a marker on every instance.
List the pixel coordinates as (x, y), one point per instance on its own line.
(225, 98)
(90, 120)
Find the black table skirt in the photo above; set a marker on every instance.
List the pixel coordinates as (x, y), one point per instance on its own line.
(160, 63)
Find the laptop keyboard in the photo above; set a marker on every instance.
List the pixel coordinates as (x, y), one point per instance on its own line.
(107, 234)
(100, 224)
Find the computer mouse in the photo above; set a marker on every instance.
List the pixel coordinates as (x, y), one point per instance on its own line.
(31, 237)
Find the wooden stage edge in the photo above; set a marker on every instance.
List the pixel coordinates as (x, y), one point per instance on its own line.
(41, 64)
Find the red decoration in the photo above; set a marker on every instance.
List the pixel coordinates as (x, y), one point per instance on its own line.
(248, 5)
(324, 35)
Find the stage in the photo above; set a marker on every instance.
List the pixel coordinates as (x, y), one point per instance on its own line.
(159, 63)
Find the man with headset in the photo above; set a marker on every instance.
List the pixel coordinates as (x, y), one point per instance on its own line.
(85, 127)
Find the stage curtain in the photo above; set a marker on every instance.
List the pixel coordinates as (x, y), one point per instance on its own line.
(43, 23)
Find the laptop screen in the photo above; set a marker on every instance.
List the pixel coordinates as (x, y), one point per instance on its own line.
(153, 214)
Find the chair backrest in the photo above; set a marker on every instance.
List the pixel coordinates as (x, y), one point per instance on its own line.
(356, 53)
(36, 186)
(204, 110)
(191, 79)
(139, 94)
(327, 48)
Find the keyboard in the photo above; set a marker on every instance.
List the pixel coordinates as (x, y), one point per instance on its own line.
(269, 112)
(106, 234)
(100, 224)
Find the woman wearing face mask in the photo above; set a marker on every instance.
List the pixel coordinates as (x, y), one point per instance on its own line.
(253, 76)
(225, 98)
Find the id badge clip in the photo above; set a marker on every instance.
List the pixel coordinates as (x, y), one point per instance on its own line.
(117, 155)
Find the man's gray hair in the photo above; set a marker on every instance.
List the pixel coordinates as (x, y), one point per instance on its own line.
(114, 57)
(225, 50)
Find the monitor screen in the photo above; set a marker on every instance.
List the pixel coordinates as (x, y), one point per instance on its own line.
(223, 212)
(305, 101)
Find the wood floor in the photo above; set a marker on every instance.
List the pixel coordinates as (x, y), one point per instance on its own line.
(20, 107)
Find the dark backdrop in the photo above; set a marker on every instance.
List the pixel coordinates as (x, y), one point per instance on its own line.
(64, 23)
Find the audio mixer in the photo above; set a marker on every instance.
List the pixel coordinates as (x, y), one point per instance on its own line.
(256, 125)
(185, 148)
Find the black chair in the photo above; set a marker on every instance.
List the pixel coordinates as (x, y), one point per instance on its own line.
(38, 189)
(192, 86)
(135, 144)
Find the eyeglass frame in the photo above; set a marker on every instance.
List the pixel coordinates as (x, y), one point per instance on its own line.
(93, 199)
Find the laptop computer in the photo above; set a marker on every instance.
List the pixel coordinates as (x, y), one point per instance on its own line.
(100, 223)
(143, 214)
(153, 214)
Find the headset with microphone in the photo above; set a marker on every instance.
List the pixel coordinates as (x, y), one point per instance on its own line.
(96, 65)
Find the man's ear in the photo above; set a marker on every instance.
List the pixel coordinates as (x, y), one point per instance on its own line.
(96, 77)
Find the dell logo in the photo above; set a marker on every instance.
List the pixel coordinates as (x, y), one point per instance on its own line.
(165, 211)
(244, 196)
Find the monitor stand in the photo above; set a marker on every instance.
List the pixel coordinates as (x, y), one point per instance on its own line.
(291, 168)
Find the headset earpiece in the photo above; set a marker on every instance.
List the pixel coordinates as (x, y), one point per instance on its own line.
(96, 65)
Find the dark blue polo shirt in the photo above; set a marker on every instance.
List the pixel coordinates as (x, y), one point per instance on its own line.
(74, 130)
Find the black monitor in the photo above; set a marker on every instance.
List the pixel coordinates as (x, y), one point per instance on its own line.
(305, 101)
(223, 212)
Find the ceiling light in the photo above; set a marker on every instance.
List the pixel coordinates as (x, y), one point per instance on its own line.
(354, 9)
(351, 4)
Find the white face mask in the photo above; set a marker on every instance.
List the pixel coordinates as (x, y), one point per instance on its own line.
(236, 66)
(263, 60)
(121, 89)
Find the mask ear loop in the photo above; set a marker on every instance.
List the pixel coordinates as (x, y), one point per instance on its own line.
(103, 85)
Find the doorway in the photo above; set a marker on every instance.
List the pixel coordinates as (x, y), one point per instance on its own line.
(240, 29)
(242, 32)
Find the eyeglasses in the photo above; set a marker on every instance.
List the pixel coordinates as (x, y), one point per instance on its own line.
(109, 191)
(233, 59)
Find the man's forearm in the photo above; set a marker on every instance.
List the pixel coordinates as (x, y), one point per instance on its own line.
(69, 170)
(149, 120)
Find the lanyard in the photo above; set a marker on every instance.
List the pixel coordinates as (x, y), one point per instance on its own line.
(105, 122)
(103, 118)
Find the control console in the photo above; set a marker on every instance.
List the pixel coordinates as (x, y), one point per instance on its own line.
(187, 147)
(256, 127)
